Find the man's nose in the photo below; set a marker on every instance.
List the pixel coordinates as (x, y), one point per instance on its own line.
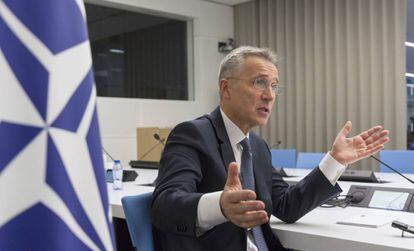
(268, 93)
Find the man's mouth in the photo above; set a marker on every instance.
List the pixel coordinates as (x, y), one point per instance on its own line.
(263, 109)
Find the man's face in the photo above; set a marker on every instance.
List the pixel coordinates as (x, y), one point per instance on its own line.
(245, 104)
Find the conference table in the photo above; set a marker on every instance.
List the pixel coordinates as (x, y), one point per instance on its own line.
(317, 230)
(142, 184)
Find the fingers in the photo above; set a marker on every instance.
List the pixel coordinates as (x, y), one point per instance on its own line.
(372, 151)
(346, 129)
(376, 137)
(366, 134)
(241, 195)
(240, 205)
(243, 213)
(375, 143)
(246, 206)
(251, 219)
(380, 142)
(233, 179)
(375, 147)
(348, 150)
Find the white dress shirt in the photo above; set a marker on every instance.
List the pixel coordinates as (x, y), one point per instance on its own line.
(208, 210)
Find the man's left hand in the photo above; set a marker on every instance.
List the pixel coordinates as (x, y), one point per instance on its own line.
(349, 150)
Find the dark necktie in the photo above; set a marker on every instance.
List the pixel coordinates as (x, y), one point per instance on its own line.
(248, 183)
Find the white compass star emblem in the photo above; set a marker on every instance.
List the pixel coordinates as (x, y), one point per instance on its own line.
(53, 145)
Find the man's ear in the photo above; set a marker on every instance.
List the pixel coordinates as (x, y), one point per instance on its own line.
(224, 86)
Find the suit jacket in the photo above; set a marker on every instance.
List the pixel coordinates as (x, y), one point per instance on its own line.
(195, 161)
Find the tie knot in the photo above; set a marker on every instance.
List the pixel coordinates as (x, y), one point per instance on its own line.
(245, 144)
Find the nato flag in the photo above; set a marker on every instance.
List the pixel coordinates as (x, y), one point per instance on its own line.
(52, 187)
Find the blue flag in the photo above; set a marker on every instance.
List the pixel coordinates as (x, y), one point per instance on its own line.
(52, 187)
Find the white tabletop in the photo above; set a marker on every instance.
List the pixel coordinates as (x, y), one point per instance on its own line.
(318, 229)
(139, 186)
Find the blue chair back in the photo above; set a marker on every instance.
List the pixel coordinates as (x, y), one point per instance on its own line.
(284, 158)
(309, 160)
(401, 160)
(137, 211)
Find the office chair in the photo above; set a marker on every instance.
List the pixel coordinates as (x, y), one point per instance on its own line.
(309, 160)
(401, 160)
(284, 158)
(137, 215)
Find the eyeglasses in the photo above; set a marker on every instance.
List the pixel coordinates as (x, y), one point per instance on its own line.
(262, 84)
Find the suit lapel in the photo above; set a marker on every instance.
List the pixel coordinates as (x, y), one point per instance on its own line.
(225, 148)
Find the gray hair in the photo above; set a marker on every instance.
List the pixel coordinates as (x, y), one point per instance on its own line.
(235, 59)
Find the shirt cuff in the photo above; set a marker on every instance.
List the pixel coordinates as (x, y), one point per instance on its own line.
(331, 168)
(209, 212)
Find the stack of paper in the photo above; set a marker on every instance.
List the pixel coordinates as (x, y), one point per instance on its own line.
(365, 220)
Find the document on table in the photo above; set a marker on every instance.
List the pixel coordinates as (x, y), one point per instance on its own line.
(365, 220)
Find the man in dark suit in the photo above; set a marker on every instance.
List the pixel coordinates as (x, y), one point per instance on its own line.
(216, 187)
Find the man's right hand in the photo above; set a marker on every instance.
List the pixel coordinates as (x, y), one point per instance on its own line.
(240, 205)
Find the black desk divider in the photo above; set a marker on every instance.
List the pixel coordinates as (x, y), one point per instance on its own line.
(143, 164)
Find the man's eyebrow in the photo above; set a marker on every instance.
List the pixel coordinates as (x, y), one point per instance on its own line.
(266, 76)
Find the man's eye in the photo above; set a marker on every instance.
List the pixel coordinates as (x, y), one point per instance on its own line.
(261, 81)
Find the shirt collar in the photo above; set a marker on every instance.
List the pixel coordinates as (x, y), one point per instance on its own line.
(233, 131)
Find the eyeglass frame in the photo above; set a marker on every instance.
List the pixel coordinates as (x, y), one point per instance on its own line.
(277, 88)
